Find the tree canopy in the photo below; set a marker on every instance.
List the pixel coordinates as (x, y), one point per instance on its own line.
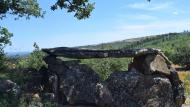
(4, 40)
(27, 8)
(20, 8)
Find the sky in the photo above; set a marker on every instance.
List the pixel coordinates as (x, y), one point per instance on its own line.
(111, 20)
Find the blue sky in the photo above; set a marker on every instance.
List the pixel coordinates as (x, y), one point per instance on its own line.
(110, 21)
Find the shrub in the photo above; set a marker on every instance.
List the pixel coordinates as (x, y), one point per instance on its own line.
(182, 55)
(105, 66)
(34, 60)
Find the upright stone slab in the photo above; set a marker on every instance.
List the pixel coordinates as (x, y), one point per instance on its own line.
(159, 65)
(77, 83)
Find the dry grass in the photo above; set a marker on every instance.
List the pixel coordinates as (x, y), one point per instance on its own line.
(185, 78)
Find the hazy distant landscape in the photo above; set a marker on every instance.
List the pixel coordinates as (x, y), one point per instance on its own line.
(13, 54)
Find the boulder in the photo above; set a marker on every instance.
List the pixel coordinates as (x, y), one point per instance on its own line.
(8, 86)
(177, 88)
(151, 63)
(134, 89)
(78, 83)
(104, 96)
(159, 64)
(34, 83)
(38, 81)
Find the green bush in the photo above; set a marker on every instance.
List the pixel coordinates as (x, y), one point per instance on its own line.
(105, 66)
(34, 60)
(182, 55)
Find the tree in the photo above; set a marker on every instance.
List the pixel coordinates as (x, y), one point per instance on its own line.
(27, 8)
(4, 40)
(182, 55)
(81, 8)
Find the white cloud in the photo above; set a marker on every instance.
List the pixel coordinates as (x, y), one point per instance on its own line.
(158, 27)
(145, 17)
(175, 13)
(150, 6)
(138, 17)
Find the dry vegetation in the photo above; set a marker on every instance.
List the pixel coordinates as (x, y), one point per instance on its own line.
(185, 77)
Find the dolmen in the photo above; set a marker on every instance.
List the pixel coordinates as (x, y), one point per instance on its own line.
(150, 81)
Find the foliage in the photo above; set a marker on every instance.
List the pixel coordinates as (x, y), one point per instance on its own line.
(27, 8)
(20, 8)
(5, 36)
(8, 100)
(104, 67)
(81, 8)
(50, 104)
(34, 60)
(182, 55)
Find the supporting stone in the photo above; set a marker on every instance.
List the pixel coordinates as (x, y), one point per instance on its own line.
(159, 65)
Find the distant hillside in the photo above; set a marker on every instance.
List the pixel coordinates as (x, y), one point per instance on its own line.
(17, 54)
(116, 44)
(140, 42)
(168, 43)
